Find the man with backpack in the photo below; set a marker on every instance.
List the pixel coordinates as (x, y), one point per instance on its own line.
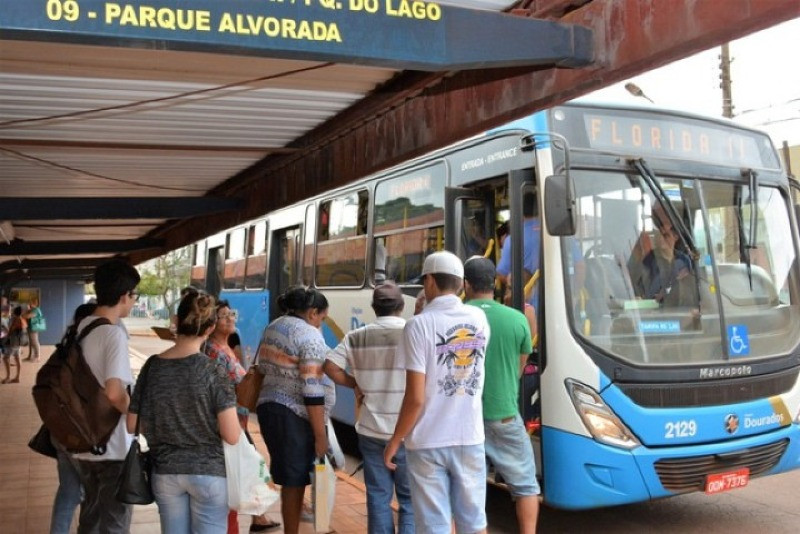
(105, 350)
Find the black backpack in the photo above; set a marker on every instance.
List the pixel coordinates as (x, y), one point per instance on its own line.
(71, 402)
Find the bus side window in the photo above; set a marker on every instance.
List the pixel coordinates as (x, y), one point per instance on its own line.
(342, 241)
(256, 269)
(408, 221)
(198, 275)
(235, 255)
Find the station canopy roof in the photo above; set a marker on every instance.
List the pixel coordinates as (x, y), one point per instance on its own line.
(128, 130)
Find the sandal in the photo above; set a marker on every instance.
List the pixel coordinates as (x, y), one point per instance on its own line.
(5, 381)
(266, 527)
(14, 381)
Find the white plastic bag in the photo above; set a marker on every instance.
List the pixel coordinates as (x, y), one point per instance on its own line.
(247, 475)
(334, 450)
(323, 494)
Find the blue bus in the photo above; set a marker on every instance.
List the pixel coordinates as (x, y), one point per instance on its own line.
(660, 369)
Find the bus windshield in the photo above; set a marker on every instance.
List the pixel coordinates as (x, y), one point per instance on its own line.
(681, 270)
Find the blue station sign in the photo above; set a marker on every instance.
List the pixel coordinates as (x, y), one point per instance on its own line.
(400, 34)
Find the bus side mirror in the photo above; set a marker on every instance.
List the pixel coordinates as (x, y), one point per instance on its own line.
(559, 205)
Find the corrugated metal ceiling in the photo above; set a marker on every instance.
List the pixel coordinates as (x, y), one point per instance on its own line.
(89, 121)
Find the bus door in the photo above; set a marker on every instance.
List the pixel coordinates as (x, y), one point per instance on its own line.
(284, 265)
(523, 283)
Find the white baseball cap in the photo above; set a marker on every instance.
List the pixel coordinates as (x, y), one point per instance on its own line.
(443, 262)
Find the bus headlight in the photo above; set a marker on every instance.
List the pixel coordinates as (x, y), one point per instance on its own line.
(600, 421)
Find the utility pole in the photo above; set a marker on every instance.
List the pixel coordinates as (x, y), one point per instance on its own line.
(725, 81)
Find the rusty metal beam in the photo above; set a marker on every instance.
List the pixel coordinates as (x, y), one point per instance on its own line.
(108, 145)
(631, 36)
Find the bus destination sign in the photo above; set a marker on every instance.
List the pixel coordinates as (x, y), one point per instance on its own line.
(681, 138)
(392, 33)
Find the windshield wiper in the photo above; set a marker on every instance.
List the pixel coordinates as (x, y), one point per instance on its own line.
(663, 200)
(747, 243)
(753, 176)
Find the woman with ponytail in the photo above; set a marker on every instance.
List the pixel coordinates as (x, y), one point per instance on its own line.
(187, 404)
(291, 406)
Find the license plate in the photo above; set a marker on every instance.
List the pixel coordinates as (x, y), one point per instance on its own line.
(719, 482)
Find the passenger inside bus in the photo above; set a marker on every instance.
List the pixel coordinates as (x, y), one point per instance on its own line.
(475, 242)
(530, 245)
(663, 273)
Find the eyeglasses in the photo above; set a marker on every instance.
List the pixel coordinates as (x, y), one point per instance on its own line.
(134, 295)
(232, 314)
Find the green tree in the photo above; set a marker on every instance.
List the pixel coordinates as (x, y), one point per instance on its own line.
(165, 276)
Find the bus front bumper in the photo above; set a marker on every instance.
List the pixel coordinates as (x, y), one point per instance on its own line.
(581, 473)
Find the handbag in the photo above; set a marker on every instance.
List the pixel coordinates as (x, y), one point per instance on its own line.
(41, 443)
(247, 475)
(134, 486)
(249, 388)
(38, 323)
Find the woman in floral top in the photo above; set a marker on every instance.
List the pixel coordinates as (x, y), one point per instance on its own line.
(217, 348)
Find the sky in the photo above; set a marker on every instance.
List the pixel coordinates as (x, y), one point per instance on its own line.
(765, 88)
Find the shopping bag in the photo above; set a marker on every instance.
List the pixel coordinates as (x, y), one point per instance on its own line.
(323, 494)
(335, 454)
(134, 486)
(249, 388)
(247, 478)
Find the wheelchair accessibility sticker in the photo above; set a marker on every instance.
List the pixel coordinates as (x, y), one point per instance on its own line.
(738, 340)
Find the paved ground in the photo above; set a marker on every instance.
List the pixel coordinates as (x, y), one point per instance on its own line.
(28, 481)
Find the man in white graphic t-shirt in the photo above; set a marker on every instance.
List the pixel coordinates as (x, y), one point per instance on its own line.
(441, 418)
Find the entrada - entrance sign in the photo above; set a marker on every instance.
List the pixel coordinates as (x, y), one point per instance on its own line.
(400, 34)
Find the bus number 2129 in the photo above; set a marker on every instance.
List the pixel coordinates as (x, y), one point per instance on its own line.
(680, 429)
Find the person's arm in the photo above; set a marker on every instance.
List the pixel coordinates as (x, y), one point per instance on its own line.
(410, 410)
(229, 427)
(117, 395)
(504, 264)
(316, 416)
(335, 364)
(311, 375)
(130, 422)
(525, 338)
(523, 361)
(338, 375)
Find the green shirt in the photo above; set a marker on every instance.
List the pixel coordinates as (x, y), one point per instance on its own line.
(510, 337)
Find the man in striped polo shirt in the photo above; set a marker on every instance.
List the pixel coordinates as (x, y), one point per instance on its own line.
(366, 359)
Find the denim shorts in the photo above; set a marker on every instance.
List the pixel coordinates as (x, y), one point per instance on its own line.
(448, 483)
(509, 448)
(290, 442)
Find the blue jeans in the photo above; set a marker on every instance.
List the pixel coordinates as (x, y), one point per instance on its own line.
(191, 504)
(448, 483)
(381, 484)
(68, 495)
